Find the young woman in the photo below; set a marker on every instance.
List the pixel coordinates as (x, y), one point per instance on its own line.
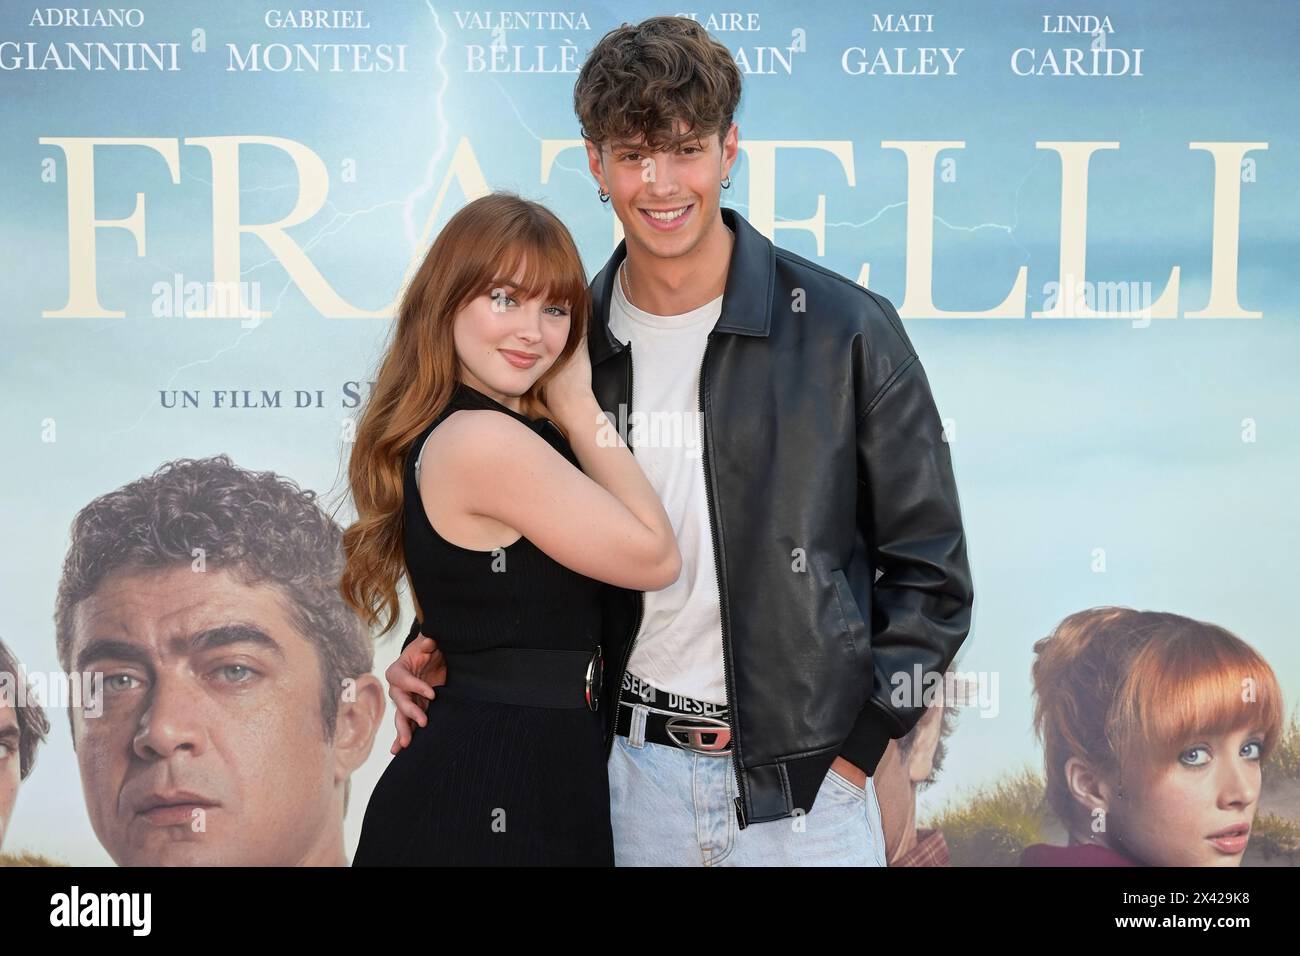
(486, 473)
(1155, 728)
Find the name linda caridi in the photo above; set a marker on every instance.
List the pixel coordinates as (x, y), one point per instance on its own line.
(350, 396)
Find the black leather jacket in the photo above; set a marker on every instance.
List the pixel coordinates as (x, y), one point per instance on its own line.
(824, 463)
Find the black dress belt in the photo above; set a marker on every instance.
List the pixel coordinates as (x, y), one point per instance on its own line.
(531, 676)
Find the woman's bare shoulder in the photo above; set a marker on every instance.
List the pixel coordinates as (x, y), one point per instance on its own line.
(480, 436)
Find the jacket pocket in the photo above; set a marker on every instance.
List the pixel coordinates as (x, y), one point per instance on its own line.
(856, 633)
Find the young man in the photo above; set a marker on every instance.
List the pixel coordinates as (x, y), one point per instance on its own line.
(23, 728)
(782, 414)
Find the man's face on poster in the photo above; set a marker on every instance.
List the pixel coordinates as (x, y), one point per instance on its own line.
(10, 764)
(208, 747)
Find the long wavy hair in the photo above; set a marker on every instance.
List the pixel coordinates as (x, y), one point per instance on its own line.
(496, 235)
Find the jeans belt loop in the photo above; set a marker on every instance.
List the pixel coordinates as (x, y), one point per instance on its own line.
(636, 735)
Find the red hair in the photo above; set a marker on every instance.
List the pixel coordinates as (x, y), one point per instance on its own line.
(1127, 691)
(495, 235)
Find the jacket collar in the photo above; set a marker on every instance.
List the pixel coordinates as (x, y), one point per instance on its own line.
(746, 299)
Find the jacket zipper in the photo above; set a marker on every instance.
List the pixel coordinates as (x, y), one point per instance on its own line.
(640, 595)
(722, 598)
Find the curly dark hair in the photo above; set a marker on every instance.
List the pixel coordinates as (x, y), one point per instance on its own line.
(639, 79)
(263, 527)
(33, 725)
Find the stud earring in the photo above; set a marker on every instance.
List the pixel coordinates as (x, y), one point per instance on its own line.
(604, 196)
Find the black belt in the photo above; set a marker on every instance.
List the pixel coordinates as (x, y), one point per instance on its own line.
(674, 720)
(531, 676)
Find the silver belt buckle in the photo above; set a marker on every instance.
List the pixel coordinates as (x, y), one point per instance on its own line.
(693, 730)
(595, 672)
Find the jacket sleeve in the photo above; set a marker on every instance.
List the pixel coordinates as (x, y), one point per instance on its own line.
(911, 520)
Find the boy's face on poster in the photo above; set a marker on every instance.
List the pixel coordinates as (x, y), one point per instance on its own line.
(1197, 810)
(208, 748)
(686, 177)
(10, 768)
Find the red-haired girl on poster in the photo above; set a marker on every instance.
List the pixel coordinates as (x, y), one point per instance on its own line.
(1155, 729)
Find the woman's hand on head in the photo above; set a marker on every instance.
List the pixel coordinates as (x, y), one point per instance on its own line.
(570, 389)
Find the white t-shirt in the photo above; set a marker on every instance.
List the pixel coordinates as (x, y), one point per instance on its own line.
(679, 644)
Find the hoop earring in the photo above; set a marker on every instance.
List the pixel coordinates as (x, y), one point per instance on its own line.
(726, 183)
(604, 196)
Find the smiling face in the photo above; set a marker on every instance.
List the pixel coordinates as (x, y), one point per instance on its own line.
(1197, 810)
(506, 340)
(207, 748)
(667, 201)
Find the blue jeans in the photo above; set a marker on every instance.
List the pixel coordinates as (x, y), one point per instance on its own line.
(673, 807)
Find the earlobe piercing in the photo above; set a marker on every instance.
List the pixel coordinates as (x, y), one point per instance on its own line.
(726, 183)
(604, 196)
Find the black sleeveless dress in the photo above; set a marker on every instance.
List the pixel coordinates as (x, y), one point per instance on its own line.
(488, 783)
